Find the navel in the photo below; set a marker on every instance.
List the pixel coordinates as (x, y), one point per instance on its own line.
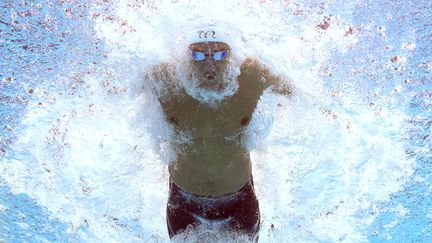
(244, 121)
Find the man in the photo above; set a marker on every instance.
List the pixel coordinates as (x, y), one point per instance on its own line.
(211, 178)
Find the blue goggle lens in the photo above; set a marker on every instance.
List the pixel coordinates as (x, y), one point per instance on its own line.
(198, 56)
(219, 55)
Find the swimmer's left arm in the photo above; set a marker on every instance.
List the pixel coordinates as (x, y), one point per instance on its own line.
(277, 84)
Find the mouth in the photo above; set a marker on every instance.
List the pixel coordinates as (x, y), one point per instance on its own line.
(210, 75)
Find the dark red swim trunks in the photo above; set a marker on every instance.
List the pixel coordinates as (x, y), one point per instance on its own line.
(235, 212)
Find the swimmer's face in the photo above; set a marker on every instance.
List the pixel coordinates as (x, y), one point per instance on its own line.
(209, 62)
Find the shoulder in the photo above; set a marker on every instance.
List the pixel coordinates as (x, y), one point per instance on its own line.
(250, 63)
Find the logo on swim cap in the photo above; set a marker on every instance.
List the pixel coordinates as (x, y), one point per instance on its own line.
(206, 34)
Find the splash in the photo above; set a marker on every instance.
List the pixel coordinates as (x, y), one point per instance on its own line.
(94, 151)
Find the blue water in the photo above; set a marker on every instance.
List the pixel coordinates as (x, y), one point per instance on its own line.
(409, 21)
(25, 56)
(25, 221)
(40, 40)
(415, 225)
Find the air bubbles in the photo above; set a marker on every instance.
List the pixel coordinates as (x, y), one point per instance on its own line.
(325, 24)
(398, 59)
(398, 89)
(7, 79)
(409, 46)
(68, 13)
(382, 31)
(3, 209)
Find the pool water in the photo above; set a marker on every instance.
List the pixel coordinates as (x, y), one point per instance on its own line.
(346, 158)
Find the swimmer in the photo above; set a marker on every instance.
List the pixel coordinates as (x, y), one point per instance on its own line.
(211, 179)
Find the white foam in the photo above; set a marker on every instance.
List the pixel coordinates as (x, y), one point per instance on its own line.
(97, 159)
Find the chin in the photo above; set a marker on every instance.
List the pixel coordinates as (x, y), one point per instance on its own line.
(211, 84)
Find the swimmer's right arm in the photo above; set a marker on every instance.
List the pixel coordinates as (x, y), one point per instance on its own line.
(159, 78)
(160, 73)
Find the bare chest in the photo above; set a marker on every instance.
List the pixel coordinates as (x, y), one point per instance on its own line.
(201, 120)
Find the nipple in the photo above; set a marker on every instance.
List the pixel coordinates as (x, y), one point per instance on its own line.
(244, 121)
(173, 120)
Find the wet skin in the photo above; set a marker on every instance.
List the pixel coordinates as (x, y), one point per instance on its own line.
(214, 161)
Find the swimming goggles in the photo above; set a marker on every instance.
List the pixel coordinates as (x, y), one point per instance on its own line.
(217, 56)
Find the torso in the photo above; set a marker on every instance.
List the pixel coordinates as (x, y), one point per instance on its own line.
(211, 158)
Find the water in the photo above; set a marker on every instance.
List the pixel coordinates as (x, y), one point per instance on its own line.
(84, 151)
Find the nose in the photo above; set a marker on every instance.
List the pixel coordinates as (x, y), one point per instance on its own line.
(209, 64)
(209, 69)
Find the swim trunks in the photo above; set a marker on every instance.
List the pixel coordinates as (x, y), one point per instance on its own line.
(236, 212)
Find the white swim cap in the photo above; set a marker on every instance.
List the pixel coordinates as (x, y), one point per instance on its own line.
(208, 33)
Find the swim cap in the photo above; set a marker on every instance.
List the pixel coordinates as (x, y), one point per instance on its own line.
(208, 33)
